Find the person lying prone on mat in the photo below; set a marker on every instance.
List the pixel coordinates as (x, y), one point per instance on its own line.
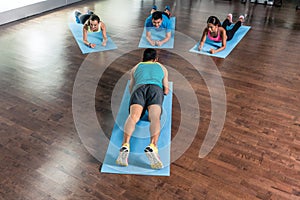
(219, 33)
(148, 85)
(91, 23)
(158, 20)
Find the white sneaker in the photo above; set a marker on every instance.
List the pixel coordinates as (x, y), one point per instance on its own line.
(151, 152)
(229, 17)
(123, 155)
(242, 18)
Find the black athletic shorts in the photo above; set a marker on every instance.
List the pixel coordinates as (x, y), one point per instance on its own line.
(146, 95)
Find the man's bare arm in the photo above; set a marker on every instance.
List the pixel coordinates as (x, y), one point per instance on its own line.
(132, 80)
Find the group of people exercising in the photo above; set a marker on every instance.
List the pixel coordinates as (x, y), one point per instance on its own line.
(149, 78)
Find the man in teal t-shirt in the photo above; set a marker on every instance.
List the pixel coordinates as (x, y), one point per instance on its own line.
(148, 85)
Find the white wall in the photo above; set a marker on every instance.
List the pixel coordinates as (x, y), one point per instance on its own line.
(29, 10)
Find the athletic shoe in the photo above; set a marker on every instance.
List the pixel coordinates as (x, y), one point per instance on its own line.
(229, 17)
(76, 15)
(123, 155)
(90, 12)
(168, 8)
(154, 9)
(242, 18)
(151, 152)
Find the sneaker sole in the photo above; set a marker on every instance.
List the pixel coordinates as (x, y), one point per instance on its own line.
(155, 162)
(123, 159)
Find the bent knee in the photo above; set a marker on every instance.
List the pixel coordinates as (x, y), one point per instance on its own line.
(153, 118)
(134, 117)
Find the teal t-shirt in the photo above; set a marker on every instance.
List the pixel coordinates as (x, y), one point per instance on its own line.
(148, 73)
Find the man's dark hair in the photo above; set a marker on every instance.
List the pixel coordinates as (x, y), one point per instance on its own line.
(149, 54)
(157, 15)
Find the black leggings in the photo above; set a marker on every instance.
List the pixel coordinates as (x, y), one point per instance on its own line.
(84, 17)
(230, 33)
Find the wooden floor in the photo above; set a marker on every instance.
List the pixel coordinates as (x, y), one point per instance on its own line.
(257, 156)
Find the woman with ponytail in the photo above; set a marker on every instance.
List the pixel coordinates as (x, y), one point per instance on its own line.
(218, 32)
(91, 23)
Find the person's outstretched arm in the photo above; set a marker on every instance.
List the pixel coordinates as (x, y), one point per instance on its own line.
(165, 80)
(148, 37)
(103, 29)
(168, 33)
(148, 26)
(85, 36)
(224, 40)
(203, 38)
(132, 80)
(166, 39)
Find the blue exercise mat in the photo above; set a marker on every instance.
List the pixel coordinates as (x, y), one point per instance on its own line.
(138, 162)
(209, 44)
(95, 38)
(159, 34)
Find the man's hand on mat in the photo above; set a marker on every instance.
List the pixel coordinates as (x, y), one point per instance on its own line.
(199, 48)
(153, 43)
(158, 43)
(92, 45)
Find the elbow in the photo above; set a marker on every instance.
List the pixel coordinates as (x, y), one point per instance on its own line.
(166, 91)
(168, 36)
